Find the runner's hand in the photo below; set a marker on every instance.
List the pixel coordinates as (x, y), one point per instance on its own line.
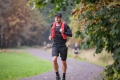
(50, 38)
(62, 31)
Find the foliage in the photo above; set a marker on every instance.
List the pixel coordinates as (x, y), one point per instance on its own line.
(99, 22)
(74, 27)
(58, 4)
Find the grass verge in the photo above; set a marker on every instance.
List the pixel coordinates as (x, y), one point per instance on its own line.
(21, 64)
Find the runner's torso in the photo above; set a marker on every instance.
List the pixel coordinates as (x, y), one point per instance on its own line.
(58, 39)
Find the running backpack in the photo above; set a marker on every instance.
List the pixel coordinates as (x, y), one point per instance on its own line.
(53, 30)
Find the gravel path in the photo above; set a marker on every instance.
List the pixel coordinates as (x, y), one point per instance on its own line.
(77, 70)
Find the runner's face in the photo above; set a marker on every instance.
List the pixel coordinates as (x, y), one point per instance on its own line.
(57, 19)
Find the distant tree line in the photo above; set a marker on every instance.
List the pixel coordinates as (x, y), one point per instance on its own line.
(20, 25)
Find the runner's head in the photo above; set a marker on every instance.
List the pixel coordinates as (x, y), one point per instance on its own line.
(76, 44)
(58, 17)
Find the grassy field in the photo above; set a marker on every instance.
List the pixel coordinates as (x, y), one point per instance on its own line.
(86, 60)
(21, 64)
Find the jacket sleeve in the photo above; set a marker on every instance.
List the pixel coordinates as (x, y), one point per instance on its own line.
(68, 31)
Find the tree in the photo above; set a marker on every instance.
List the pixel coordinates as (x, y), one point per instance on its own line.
(100, 27)
(99, 22)
(19, 24)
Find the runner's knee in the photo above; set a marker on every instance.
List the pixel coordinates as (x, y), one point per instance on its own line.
(55, 59)
(64, 62)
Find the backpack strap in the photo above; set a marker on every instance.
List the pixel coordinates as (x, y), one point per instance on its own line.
(63, 28)
(53, 30)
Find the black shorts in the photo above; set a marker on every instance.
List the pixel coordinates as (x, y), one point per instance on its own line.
(76, 52)
(60, 49)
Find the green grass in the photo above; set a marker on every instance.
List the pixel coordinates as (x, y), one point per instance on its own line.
(15, 65)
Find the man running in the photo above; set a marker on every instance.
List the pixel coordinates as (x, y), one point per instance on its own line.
(59, 32)
(75, 50)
